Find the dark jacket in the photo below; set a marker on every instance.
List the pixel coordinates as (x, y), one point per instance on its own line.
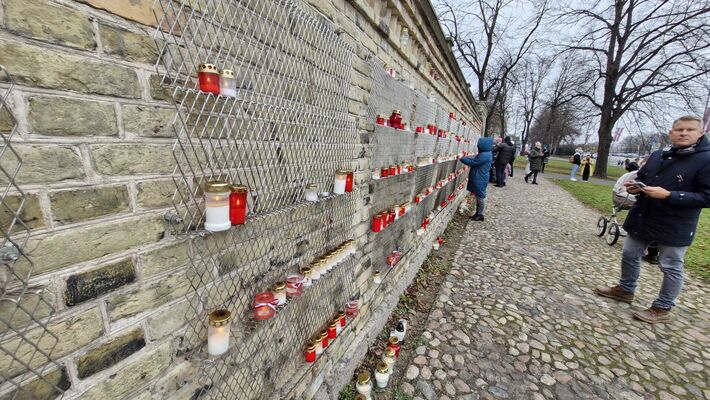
(672, 221)
(506, 153)
(577, 159)
(480, 165)
(535, 159)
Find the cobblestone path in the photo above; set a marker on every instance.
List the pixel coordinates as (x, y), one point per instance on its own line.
(517, 319)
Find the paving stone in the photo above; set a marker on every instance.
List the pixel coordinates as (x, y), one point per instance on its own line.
(412, 372)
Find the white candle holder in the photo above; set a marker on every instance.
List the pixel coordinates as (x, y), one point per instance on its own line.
(216, 195)
(218, 332)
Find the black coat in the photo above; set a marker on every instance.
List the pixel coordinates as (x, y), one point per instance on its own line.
(505, 153)
(672, 221)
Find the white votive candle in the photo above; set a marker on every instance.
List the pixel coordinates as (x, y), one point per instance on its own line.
(218, 332)
(217, 206)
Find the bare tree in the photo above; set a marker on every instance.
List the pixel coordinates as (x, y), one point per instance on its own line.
(488, 44)
(642, 53)
(533, 73)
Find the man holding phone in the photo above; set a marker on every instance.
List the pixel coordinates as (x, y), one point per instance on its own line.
(672, 188)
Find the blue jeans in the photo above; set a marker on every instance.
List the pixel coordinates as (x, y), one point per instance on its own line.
(575, 168)
(500, 174)
(670, 260)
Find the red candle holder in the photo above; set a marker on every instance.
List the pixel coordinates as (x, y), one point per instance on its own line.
(349, 181)
(410, 168)
(444, 203)
(310, 353)
(390, 216)
(399, 169)
(352, 309)
(393, 343)
(396, 119)
(425, 222)
(264, 306)
(384, 172)
(380, 119)
(385, 219)
(392, 170)
(402, 211)
(377, 223)
(238, 204)
(208, 76)
(294, 285)
(440, 240)
(417, 199)
(324, 339)
(451, 116)
(432, 129)
(333, 330)
(341, 318)
(420, 129)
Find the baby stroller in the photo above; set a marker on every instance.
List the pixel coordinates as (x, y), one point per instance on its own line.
(621, 200)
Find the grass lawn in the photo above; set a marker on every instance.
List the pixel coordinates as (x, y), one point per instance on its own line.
(697, 260)
(563, 166)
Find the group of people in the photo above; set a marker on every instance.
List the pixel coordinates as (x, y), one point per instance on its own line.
(580, 160)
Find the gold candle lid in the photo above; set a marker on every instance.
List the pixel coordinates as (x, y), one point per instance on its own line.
(389, 352)
(239, 189)
(377, 274)
(205, 67)
(279, 286)
(341, 314)
(311, 347)
(380, 116)
(311, 186)
(393, 340)
(333, 324)
(306, 270)
(343, 171)
(227, 73)
(219, 317)
(396, 112)
(382, 368)
(324, 334)
(216, 186)
(363, 378)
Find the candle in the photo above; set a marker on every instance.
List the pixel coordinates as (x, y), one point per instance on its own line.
(311, 353)
(338, 326)
(420, 129)
(400, 330)
(351, 309)
(279, 291)
(332, 330)
(238, 204)
(218, 332)
(451, 115)
(380, 119)
(341, 318)
(311, 192)
(349, 181)
(382, 375)
(217, 206)
(294, 285)
(391, 216)
(227, 83)
(388, 358)
(208, 78)
(377, 223)
(394, 345)
(324, 339)
(319, 346)
(396, 119)
(392, 170)
(264, 306)
(341, 177)
(376, 277)
(364, 385)
(384, 172)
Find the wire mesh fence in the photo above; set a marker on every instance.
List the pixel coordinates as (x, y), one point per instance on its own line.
(27, 343)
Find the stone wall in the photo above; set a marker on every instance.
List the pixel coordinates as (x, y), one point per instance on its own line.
(94, 133)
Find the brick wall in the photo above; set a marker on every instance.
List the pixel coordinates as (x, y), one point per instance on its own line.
(94, 133)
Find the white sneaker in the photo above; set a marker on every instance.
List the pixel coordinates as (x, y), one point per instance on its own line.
(573, 179)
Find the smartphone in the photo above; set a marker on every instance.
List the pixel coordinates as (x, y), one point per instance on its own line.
(639, 185)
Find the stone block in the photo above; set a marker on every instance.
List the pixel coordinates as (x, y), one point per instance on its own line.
(109, 354)
(59, 116)
(164, 259)
(131, 377)
(31, 306)
(167, 321)
(55, 251)
(48, 163)
(30, 215)
(134, 10)
(49, 22)
(92, 284)
(79, 205)
(156, 194)
(148, 121)
(179, 383)
(148, 296)
(132, 159)
(128, 45)
(45, 68)
(73, 333)
(42, 388)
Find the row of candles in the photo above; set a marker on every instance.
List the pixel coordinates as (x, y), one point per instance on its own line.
(226, 204)
(392, 170)
(325, 338)
(428, 218)
(385, 368)
(395, 121)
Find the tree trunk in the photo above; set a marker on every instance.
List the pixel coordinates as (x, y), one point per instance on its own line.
(605, 139)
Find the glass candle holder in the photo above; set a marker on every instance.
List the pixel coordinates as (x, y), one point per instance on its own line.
(376, 277)
(417, 199)
(382, 375)
(310, 352)
(377, 223)
(401, 211)
(352, 309)
(324, 339)
(392, 170)
(264, 306)
(209, 78)
(338, 327)
(393, 343)
(384, 172)
(217, 206)
(341, 177)
(385, 219)
(404, 38)
(419, 129)
(380, 119)
(332, 330)
(279, 291)
(451, 115)
(218, 332)
(396, 119)
(307, 273)
(435, 245)
(294, 285)
(315, 271)
(341, 318)
(319, 345)
(376, 174)
(399, 169)
(227, 83)
(238, 204)
(321, 265)
(391, 215)
(364, 385)
(349, 179)
(311, 192)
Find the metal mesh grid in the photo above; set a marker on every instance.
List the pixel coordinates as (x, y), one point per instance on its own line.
(389, 94)
(425, 110)
(26, 341)
(391, 146)
(442, 117)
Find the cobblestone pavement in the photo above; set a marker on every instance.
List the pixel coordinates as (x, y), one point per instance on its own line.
(517, 319)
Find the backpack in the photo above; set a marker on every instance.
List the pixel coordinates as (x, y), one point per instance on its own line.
(571, 158)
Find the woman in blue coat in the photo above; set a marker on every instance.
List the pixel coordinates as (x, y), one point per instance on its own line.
(478, 174)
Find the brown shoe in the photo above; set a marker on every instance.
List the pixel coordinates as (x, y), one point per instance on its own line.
(615, 292)
(653, 315)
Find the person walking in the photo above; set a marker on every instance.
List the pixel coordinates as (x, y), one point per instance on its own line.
(672, 187)
(545, 158)
(535, 158)
(576, 161)
(478, 174)
(504, 153)
(510, 141)
(586, 168)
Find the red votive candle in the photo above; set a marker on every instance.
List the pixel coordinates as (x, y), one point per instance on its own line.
(208, 75)
(238, 204)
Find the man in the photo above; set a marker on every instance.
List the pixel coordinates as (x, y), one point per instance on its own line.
(545, 158)
(535, 158)
(505, 152)
(673, 187)
(576, 161)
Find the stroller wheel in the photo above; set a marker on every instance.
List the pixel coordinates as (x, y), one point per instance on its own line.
(601, 226)
(613, 236)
